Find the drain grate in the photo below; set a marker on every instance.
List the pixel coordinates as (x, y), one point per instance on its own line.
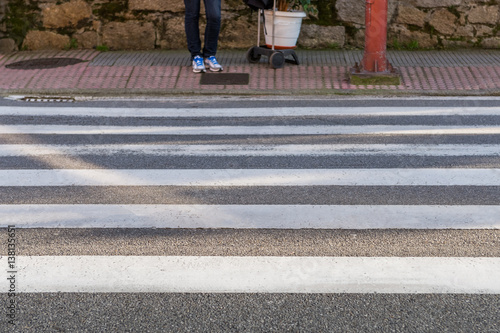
(225, 78)
(44, 63)
(48, 99)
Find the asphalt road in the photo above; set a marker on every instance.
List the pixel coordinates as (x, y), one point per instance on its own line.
(449, 220)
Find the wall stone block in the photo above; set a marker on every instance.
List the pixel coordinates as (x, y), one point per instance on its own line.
(312, 36)
(175, 36)
(45, 40)
(456, 43)
(129, 35)
(484, 14)
(68, 14)
(157, 5)
(87, 39)
(483, 30)
(239, 33)
(351, 11)
(233, 5)
(443, 21)
(410, 15)
(404, 36)
(464, 31)
(424, 40)
(7, 45)
(491, 43)
(354, 11)
(434, 3)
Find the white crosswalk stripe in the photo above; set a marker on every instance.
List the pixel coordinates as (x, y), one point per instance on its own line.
(45, 190)
(260, 274)
(247, 130)
(239, 177)
(253, 216)
(252, 150)
(247, 112)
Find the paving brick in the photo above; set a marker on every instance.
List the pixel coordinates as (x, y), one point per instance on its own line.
(170, 71)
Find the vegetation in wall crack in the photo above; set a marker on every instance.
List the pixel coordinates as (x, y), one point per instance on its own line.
(327, 13)
(112, 11)
(21, 17)
(333, 46)
(429, 29)
(496, 29)
(73, 44)
(286, 5)
(102, 48)
(351, 30)
(454, 11)
(413, 27)
(411, 45)
(478, 42)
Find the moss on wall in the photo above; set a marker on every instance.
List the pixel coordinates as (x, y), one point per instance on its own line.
(21, 16)
(327, 13)
(112, 11)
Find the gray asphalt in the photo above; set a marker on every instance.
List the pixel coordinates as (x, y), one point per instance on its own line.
(67, 312)
(260, 242)
(117, 312)
(255, 195)
(468, 120)
(125, 161)
(240, 139)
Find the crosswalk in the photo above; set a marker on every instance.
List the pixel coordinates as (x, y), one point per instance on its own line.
(348, 200)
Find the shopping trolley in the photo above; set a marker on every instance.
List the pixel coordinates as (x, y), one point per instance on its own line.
(276, 58)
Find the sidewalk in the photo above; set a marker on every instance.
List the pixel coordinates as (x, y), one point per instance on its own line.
(158, 73)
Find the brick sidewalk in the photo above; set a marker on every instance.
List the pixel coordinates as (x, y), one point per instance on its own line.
(458, 72)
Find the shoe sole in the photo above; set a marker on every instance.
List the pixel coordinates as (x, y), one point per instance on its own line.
(207, 65)
(199, 70)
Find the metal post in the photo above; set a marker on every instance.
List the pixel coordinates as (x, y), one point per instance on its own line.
(375, 68)
(375, 59)
(274, 24)
(261, 12)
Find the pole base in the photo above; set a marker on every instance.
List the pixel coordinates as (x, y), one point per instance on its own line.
(363, 78)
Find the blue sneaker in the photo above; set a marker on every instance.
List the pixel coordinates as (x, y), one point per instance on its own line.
(212, 63)
(198, 66)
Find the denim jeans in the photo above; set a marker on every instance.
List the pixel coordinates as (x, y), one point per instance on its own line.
(213, 15)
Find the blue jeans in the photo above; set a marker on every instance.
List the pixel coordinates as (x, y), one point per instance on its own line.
(213, 14)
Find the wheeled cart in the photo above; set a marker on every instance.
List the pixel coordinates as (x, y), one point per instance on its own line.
(277, 58)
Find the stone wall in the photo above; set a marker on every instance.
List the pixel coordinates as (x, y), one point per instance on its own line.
(159, 24)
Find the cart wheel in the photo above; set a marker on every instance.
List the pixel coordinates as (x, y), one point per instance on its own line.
(277, 60)
(252, 56)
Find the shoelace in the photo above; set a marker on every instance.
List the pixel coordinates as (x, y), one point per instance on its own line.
(213, 60)
(198, 61)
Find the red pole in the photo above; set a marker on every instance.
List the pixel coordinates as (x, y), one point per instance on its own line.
(374, 59)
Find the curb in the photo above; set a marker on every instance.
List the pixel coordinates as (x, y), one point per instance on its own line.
(67, 93)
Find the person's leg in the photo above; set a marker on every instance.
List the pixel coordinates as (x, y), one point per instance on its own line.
(213, 13)
(191, 22)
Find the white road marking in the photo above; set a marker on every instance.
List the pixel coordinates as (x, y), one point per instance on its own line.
(246, 112)
(251, 177)
(251, 216)
(254, 150)
(249, 130)
(255, 274)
